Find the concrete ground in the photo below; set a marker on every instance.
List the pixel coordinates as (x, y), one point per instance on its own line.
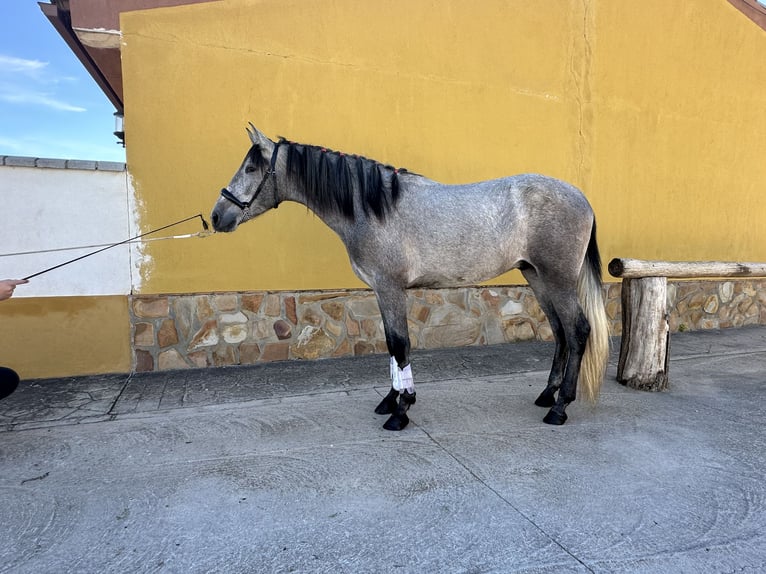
(284, 467)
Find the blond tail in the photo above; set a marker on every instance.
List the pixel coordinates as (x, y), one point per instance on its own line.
(590, 293)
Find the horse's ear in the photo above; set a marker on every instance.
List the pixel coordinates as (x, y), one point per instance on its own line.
(257, 138)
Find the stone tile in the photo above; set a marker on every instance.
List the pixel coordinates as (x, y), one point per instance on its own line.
(144, 361)
(313, 343)
(334, 309)
(335, 329)
(352, 327)
(420, 312)
(199, 358)
(252, 302)
(275, 352)
(711, 304)
(311, 316)
(512, 308)
(151, 307)
(167, 335)
(184, 311)
(143, 335)
(370, 327)
(343, 350)
(519, 330)
(434, 298)
(726, 291)
(455, 330)
(364, 348)
(282, 329)
(110, 166)
(204, 309)
(207, 336)
(19, 161)
(171, 359)
(229, 318)
(81, 164)
(249, 353)
(262, 329)
(225, 301)
(234, 334)
(456, 297)
(51, 163)
(363, 307)
(272, 306)
(224, 356)
(322, 296)
(290, 312)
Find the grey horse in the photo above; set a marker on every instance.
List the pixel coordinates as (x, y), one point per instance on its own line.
(402, 230)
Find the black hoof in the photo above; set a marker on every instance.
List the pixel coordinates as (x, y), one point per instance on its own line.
(554, 418)
(388, 404)
(547, 398)
(396, 422)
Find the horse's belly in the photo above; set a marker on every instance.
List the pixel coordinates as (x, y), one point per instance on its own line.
(452, 274)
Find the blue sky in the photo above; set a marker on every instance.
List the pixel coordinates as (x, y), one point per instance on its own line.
(49, 105)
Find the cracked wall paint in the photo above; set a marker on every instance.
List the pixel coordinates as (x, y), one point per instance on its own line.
(140, 261)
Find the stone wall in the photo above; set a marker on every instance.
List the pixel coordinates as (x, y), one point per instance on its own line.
(200, 330)
(716, 304)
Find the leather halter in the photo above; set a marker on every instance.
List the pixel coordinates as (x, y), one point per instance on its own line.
(271, 172)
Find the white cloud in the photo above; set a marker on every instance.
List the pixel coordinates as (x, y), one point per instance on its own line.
(21, 80)
(21, 65)
(18, 95)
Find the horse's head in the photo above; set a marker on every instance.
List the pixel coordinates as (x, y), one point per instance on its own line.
(253, 189)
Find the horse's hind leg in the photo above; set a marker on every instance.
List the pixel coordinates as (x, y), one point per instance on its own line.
(576, 332)
(548, 397)
(393, 308)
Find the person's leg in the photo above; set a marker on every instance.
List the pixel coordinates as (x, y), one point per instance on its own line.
(9, 380)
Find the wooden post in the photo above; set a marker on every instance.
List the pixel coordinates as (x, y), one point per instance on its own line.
(645, 345)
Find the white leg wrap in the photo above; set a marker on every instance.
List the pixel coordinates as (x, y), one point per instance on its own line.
(401, 379)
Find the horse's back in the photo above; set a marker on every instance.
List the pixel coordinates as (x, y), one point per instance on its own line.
(527, 191)
(500, 210)
(464, 234)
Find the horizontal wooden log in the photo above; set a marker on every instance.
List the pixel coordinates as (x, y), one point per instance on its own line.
(635, 268)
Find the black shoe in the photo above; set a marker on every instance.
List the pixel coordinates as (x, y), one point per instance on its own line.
(9, 380)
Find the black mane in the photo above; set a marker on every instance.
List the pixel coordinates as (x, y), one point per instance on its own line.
(331, 178)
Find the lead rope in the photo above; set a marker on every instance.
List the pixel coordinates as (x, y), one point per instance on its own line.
(203, 233)
(94, 246)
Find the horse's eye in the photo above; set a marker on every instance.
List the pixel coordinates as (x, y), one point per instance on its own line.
(249, 169)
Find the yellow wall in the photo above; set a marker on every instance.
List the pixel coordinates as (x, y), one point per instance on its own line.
(65, 336)
(654, 108)
(679, 131)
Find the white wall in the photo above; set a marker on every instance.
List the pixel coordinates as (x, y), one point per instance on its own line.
(54, 207)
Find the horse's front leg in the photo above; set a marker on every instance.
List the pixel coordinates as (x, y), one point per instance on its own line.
(393, 308)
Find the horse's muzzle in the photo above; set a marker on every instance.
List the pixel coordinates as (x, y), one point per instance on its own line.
(223, 221)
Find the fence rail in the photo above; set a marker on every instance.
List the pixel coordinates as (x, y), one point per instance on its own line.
(637, 268)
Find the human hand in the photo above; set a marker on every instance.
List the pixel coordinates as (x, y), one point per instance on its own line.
(8, 285)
